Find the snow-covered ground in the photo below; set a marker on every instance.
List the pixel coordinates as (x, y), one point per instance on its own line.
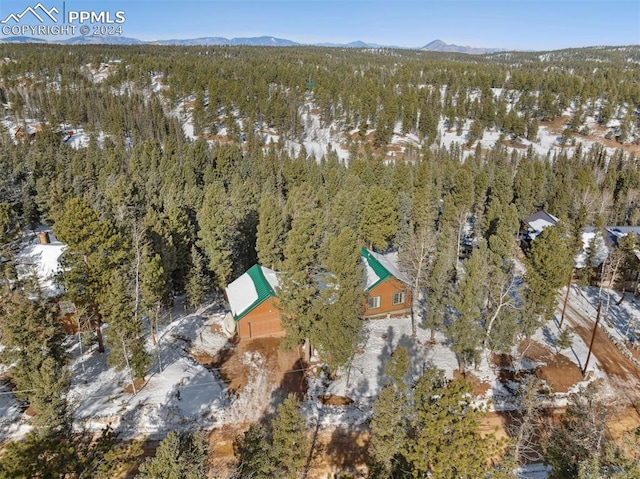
(364, 377)
(320, 137)
(179, 392)
(620, 321)
(10, 411)
(41, 259)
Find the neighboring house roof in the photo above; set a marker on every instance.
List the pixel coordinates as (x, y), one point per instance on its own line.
(608, 240)
(612, 234)
(378, 268)
(539, 221)
(598, 255)
(621, 231)
(251, 289)
(618, 232)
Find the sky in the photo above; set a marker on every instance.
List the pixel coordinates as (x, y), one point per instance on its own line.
(509, 24)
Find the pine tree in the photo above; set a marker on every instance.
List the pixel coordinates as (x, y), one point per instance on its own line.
(379, 221)
(271, 232)
(502, 242)
(440, 275)
(339, 329)
(465, 329)
(346, 207)
(37, 455)
(630, 263)
(388, 427)
(299, 290)
(445, 441)
(95, 249)
(153, 288)
(289, 442)
(9, 230)
(279, 449)
(548, 262)
(217, 233)
(244, 205)
(33, 347)
(390, 418)
(178, 457)
(124, 334)
(181, 231)
(198, 285)
(252, 453)
(429, 430)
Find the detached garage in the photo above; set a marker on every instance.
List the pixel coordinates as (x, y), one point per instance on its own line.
(253, 304)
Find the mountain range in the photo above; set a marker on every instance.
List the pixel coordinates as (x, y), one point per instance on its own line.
(440, 46)
(436, 45)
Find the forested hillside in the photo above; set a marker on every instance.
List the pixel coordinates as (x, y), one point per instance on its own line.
(193, 165)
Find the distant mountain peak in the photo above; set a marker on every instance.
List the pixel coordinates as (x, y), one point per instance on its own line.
(101, 40)
(266, 40)
(22, 39)
(440, 46)
(435, 44)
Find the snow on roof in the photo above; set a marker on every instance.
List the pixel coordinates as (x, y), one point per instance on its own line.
(249, 290)
(44, 260)
(379, 267)
(539, 225)
(371, 278)
(540, 220)
(622, 231)
(271, 277)
(600, 253)
(241, 294)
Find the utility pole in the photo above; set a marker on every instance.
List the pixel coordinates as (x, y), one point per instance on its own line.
(593, 337)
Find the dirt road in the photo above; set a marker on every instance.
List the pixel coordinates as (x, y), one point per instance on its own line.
(623, 374)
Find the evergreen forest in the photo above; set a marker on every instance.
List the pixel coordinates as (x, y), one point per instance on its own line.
(196, 163)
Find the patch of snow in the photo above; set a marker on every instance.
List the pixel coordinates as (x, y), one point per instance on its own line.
(534, 471)
(11, 418)
(180, 393)
(600, 253)
(43, 260)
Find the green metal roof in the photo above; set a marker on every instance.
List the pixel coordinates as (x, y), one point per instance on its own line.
(263, 288)
(380, 271)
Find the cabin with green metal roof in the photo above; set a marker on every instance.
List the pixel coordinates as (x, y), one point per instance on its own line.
(253, 301)
(253, 304)
(388, 290)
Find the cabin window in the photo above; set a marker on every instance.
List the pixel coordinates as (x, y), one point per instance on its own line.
(398, 298)
(373, 302)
